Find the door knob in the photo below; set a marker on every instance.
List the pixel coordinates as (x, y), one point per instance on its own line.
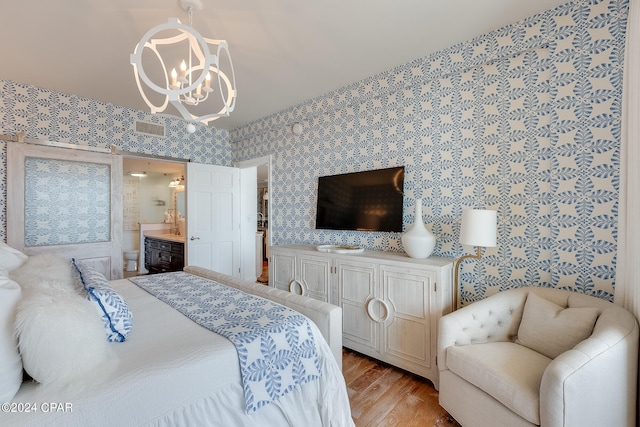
(194, 238)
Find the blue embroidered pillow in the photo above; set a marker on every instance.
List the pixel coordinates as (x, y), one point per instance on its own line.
(116, 316)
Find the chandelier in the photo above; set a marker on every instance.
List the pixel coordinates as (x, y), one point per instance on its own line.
(197, 63)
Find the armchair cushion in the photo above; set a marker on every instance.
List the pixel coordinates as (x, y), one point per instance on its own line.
(509, 372)
(551, 329)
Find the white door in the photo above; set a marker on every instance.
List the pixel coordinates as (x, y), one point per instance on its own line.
(213, 218)
(252, 173)
(249, 209)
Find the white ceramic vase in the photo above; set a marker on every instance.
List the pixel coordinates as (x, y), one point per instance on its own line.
(418, 242)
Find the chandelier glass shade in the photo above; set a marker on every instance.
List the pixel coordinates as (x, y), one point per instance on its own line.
(196, 65)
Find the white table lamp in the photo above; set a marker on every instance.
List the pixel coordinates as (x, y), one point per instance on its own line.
(478, 228)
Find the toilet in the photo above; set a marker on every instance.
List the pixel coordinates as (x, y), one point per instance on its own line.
(131, 258)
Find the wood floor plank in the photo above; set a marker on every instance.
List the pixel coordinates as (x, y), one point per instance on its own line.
(353, 366)
(369, 396)
(382, 395)
(385, 404)
(367, 377)
(415, 409)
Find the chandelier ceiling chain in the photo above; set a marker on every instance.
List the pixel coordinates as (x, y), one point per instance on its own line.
(191, 87)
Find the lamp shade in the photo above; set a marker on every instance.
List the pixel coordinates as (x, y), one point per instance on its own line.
(479, 227)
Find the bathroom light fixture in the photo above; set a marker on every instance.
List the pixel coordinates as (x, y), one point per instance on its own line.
(138, 174)
(478, 228)
(177, 183)
(189, 89)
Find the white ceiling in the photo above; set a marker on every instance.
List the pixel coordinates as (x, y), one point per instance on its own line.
(284, 51)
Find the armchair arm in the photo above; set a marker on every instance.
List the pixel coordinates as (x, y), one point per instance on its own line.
(493, 319)
(594, 384)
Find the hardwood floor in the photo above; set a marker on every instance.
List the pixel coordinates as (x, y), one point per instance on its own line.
(382, 395)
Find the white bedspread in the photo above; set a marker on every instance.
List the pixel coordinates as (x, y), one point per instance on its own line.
(174, 372)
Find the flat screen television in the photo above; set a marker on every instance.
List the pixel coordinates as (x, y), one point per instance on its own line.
(365, 201)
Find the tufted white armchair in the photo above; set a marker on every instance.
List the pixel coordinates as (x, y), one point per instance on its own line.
(557, 358)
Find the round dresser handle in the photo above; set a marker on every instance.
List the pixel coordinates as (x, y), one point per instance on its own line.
(372, 314)
(303, 288)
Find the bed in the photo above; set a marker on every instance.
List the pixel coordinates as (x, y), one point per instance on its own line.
(172, 371)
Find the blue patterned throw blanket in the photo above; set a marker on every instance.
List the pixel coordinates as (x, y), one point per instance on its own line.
(275, 344)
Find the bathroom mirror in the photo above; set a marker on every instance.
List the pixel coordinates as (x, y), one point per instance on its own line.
(180, 204)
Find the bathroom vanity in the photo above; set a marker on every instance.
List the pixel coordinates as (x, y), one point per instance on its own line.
(163, 252)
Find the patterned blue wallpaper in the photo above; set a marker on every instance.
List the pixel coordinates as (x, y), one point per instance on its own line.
(70, 119)
(75, 197)
(524, 120)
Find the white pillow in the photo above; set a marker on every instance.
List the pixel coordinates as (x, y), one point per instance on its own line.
(113, 309)
(46, 269)
(10, 362)
(550, 329)
(61, 340)
(10, 258)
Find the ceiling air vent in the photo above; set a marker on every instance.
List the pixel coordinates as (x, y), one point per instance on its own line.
(149, 128)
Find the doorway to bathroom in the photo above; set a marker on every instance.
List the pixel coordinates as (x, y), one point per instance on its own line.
(153, 200)
(150, 204)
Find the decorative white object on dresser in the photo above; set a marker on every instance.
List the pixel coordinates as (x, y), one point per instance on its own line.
(391, 304)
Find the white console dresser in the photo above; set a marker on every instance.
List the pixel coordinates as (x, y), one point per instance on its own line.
(391, 304)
